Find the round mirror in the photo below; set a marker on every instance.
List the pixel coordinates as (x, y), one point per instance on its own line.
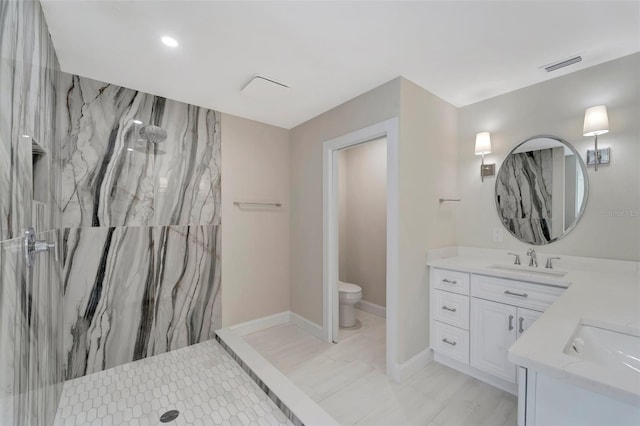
(541, 190)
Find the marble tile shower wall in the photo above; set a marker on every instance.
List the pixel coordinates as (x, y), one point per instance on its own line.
(28, 78)
(113, 178)
(133, 292)
(31, 371)
(142, 225)
(136, 225)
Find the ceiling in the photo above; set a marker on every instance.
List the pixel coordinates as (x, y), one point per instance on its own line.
(331, 51)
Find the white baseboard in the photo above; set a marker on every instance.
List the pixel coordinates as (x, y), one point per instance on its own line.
(260, 324)
(480, 375)
(414, 364)
(372, 308)
(308, 326)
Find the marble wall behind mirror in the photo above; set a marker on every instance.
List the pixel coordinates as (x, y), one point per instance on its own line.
(541, 190)
(524, 196)
(133, 292)
(111, 178)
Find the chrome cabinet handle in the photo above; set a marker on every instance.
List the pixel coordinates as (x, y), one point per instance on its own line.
(446, 308)
(520, 326)
(448, 342)
(449, 282)
(523, 295)
(510, 322)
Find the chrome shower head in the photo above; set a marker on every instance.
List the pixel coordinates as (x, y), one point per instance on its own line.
(153, 134)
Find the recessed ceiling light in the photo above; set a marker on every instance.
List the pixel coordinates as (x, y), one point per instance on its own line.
(169, 41)
(26, 136)
(137, 121)
(129, 149)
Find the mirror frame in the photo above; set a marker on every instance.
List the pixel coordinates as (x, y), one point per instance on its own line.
(583, 167)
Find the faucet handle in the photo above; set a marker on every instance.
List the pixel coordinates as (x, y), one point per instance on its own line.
(549, 265)
(517, 259)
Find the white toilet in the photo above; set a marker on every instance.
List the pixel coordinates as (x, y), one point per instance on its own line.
(350, 294)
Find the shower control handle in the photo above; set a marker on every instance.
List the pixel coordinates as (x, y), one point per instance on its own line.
(33, 246)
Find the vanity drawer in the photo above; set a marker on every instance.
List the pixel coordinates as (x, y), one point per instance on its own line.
(444, 279)
(451, 341)
(515, 293)
(451, 308)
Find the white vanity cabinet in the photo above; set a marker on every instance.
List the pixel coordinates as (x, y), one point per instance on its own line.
(450, 314)
(475, 318)
(494, 328)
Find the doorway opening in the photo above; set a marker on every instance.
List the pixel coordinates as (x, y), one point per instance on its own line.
(382, 133)
(362, 237)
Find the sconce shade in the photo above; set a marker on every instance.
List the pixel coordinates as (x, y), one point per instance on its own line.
(596, 121)
(483, 143)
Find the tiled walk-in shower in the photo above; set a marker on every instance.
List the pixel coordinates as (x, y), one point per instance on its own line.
(202, 382)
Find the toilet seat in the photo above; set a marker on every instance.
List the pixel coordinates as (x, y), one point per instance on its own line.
(348, 287)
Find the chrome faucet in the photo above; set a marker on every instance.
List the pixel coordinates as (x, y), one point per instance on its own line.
(549, 262)
(533, 261)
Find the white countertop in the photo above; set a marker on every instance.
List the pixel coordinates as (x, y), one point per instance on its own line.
(600, 292)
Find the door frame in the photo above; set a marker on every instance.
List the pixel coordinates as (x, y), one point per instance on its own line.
(389, 129)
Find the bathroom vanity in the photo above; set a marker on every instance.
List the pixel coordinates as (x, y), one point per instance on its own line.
(478, 314)
(516, 327)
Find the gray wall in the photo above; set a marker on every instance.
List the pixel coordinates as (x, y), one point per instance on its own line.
(427, 170)
(362, 186)
(372, 107)
(255, 241)
(610, 227)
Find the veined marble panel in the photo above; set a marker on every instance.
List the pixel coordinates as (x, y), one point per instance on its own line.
(524, 194)
(112, 178)
(28, 75)
(10, 278)
(30, 299)
(30, 317)
(134, 292)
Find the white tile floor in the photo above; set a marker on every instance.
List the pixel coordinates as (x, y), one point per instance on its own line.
(201, 381)
(348, 380)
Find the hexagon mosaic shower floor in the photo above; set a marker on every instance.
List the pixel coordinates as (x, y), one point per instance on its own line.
(201, 381)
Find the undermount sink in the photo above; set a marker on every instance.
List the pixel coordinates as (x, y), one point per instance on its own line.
(530, 270)
(613, 349)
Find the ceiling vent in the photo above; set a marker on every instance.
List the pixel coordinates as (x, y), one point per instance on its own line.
(561, 64)
(260, 87)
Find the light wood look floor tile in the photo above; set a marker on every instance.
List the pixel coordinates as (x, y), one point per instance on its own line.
(348, 380)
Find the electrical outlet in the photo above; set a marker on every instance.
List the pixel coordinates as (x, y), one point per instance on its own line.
(498, 236)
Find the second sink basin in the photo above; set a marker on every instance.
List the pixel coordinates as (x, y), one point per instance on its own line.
(614, 349)
(530, 270)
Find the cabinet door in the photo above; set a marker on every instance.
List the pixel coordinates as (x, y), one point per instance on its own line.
(526, 317)
(493, 331)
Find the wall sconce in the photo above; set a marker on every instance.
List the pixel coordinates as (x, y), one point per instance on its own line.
(596, 122)
(483, 146)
